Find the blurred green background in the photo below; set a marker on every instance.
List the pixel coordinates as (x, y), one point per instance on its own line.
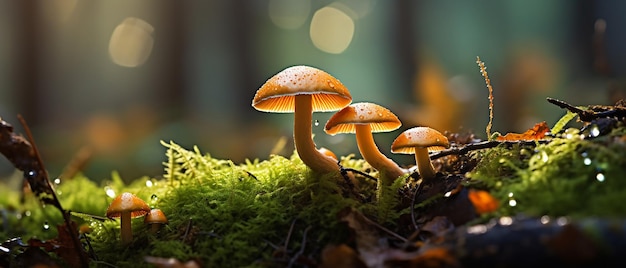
(117, 76)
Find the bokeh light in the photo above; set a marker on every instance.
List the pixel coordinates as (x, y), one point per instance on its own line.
(131, 42)
(331, 30)
(289, 14)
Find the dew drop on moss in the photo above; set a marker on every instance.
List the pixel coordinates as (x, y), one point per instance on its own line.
(109, 191)
(46, 226)
(600, 177)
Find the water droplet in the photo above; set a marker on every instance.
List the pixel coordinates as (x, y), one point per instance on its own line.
(587, 161)
(512, 203)
(543, 156)
(361, 117)
(600, 177)
(27, 213)
(448, 194)
(594, 131)
(46, 226)
(149, 183)
(30, 174)
(109, 191)
(317, 122)
(380, 114)
(154, 197)
(57, 181)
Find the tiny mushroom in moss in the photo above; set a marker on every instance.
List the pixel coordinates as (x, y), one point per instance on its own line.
(419, 141)
(303, 90)
(363, 119)
(155, 218)
(127, 206)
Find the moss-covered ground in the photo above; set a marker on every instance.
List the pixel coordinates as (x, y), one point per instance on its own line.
(277, 212)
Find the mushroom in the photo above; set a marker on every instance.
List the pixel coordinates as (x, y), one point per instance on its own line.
(127, 206)
(155, 218)
(327, 152)
(304, 90)
(363, 119)
(420, 140)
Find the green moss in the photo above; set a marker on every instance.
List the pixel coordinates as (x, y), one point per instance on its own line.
(568, 176)
(220, 213)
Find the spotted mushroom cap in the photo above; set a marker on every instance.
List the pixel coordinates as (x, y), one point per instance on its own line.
(424, 137)
(127, 202)
(278, 93)
(379, 118)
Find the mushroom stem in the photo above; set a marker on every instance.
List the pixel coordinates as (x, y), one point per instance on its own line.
(424, 166)
(126, 229)
(388, 169)
(303, 116)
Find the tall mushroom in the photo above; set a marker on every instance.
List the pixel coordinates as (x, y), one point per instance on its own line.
(304, 90)
(127, 206)
(363, 119)
(419, 141)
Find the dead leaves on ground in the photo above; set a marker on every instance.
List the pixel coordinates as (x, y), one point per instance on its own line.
(537, 132)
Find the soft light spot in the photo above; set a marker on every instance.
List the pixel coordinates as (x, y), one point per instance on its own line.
(512, 203)
(289, 14)
(46, 226)
(600, 177)
(131, 42)
(149, 183)
(587, 161)
(594, 131)
(331, 30)
(545, 219)
(561, 221)
(109, 192)
(477, 229)
(505, 221)
(57, 181)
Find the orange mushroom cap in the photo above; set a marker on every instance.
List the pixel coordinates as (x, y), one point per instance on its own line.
(379, 118)
(155, 216)
(423, 137)
(127, 202)
(278, 92)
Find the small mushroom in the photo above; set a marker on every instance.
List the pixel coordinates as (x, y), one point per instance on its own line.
(419, 141)
(127, 206)
(155, 218)
(363, 119)
(303, 90)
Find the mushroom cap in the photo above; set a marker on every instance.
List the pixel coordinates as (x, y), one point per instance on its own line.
(379, 118)
(155, 216)
(424, 137)
(126, 202)
(278, 93)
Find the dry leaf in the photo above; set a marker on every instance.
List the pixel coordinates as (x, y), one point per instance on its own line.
(535, 133)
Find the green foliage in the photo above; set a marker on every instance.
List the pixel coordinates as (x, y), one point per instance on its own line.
(567, 176)
(221, 213)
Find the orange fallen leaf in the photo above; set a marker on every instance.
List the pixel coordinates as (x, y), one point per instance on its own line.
(483, 201)
(537, 132)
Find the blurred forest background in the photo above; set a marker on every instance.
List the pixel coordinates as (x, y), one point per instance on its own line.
(115, 77)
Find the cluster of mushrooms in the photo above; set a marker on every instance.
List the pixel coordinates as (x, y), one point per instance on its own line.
(127, 206)
(303, 90)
